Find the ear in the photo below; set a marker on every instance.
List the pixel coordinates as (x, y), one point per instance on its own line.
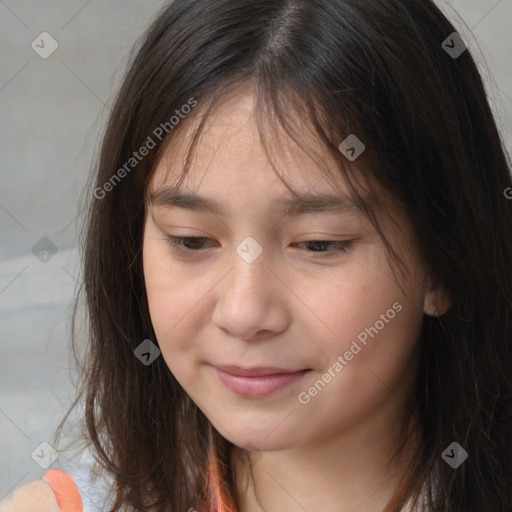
(437, 300)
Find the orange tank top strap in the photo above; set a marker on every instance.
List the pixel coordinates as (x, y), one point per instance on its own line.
(65, 490)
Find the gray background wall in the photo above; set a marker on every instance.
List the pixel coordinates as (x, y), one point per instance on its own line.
(52, 111)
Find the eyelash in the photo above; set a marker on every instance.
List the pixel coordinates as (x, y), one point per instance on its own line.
(343, 245)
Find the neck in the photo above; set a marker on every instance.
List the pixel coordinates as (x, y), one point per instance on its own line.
(342, 473)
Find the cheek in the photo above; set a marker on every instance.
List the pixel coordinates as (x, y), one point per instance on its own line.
(376, 328)
(175, 301)
(373, 328)
(172, 314)
(363, 303)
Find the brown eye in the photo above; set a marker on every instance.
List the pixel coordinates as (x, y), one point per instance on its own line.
(339, 245)
(187, 243)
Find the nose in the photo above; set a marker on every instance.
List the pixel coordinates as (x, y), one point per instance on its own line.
(252, 301)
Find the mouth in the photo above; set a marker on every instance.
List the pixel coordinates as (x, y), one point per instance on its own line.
(258, 381)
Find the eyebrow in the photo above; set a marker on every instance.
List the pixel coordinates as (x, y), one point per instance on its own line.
(168, 197)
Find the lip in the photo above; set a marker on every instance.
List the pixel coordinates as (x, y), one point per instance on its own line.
(257, 382)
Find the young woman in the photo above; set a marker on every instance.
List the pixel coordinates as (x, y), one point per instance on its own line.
(298, 266)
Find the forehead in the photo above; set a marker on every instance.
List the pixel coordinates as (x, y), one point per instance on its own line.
(233, 149)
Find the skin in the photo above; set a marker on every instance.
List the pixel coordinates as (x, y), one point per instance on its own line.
(293, 308)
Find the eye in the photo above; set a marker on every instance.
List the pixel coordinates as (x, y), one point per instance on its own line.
(193, 241)
(195, 244)
(336, 245)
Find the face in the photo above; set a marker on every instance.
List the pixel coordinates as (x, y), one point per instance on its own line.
(305, 302)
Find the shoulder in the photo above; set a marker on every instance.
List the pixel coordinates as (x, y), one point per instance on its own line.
(36, 495)
(75, 487)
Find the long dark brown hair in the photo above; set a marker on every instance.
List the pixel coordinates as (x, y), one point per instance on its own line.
(374, 68)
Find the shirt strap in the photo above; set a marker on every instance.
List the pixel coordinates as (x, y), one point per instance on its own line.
(65, 490)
